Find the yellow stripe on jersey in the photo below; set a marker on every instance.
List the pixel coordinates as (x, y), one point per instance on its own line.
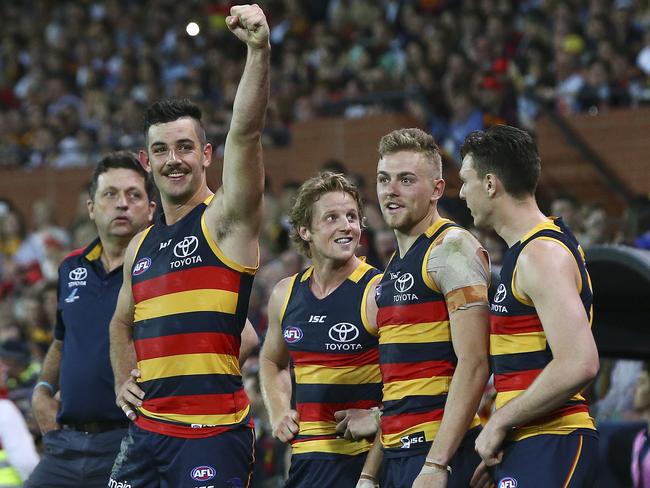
(416, 333)
(285, 302)
(360, 271)
(517, 343)
(334, 446)
(430, 430)
(221, 419)
(185, 302)
(397, 390)
(372, 329)
(505, 396)
(317, 428)
(342, 375)
(187, 364)
(558, 426)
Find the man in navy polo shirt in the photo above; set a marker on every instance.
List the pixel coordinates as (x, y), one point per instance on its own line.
(82, 432)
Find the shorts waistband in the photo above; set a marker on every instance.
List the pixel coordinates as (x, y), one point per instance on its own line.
(97, 427)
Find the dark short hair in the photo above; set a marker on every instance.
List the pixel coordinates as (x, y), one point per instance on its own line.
(172, 109)
(509, 153)
(121, 159)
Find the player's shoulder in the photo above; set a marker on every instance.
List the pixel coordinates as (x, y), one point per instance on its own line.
(458, 240)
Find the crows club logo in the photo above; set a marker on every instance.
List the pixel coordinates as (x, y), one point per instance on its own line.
(404, 283)
(203, 473)
(78, 274)
(500, 294)
(343, 332)
(186, 247)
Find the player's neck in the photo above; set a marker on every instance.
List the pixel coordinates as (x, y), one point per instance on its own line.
(176, 210)
(329, 274)
(112, 255)
(516, 218)
(407, 237)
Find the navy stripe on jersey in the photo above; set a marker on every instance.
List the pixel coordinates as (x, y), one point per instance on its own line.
(416, 404)
(191, 385)
(307, 393)
(420, 352)
(511, 363)
(184, 324)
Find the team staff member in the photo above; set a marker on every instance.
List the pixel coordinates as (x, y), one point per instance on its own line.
(187, 283)
(82, 432)
(542, 350)
(318, 320)
(433, 324)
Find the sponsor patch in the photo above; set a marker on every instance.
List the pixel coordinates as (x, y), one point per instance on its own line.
(203, 473)
(141, 266)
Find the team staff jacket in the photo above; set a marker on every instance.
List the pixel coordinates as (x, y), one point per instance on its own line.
(87, 296)
(190, 308)
(415, 350)
(334, 353)
(518, 347)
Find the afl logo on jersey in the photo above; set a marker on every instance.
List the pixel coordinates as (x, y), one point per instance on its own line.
(78, 274)
(203, 473)
(404, 283)
(508, 483)
(141, 266)
(500, 295)
(292, 334)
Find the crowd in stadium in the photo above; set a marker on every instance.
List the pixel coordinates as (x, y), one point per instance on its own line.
(76, 77)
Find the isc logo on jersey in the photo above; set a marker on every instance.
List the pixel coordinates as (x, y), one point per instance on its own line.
(203, 473)
(409, 440)
(141, 266)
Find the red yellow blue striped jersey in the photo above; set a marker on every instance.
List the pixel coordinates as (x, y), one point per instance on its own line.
(416, 354)
(335, 359)
(518, 347)
(191, 304)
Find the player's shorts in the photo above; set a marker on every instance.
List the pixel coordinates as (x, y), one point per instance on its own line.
(401, 471)
(151, 460)
(563, 461)
(338, 472)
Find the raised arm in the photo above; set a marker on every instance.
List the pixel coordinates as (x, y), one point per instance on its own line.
(239, 200)
(460, 268)
(122, 352)
(568, 333)
(275, 380)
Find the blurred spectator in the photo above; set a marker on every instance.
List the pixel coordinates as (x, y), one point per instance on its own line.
(640, 464)
(566, 206)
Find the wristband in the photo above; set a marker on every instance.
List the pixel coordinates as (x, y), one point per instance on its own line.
(441, 467)
(364, 476)
(46, 385)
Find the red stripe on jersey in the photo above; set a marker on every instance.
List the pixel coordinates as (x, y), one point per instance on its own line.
(76, 252)
(416, 313)
(315, 438)
(216, 404)
(394, 424)
(204, 277)
(519, 380)
(185, 432)
(370, 356)
(193, 343)
(517, 324)
(409, 371)
(316, 412)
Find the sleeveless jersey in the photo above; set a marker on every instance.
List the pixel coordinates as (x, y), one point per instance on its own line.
(335, 357)
(518, 347)
(415, 350)
(190, 308)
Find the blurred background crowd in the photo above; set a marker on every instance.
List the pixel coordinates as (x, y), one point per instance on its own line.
(75, 77)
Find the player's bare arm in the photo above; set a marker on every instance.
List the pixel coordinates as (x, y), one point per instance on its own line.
(123, 360)
(235, 214)
(567, 329)
(275, 380)
(372, 465)
(249, 341)
(459, 266)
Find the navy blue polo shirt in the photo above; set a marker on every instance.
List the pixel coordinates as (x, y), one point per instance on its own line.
(86, 302)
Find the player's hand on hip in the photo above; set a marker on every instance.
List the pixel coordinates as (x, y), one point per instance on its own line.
(356, 423)
(488, 443)
(364, 483)
(286, 427)
(45, 408)
(130, 396)
(481, 477)
(249, 24)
